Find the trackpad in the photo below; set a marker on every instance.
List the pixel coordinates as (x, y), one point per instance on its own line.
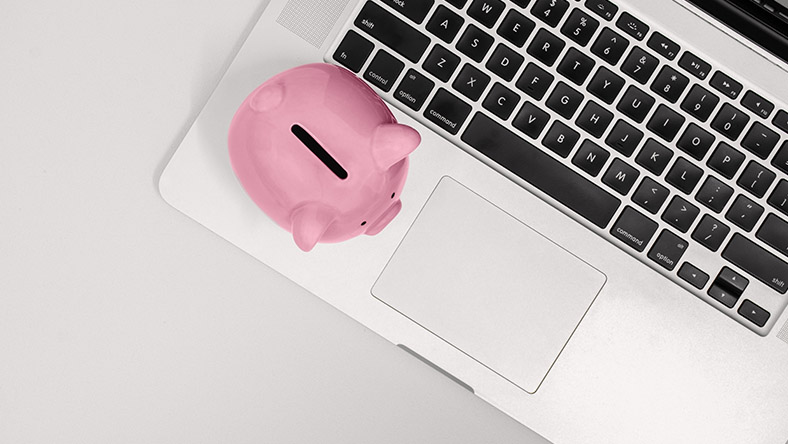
(488, 284)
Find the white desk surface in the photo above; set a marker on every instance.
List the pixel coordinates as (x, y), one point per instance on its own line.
(123, 321)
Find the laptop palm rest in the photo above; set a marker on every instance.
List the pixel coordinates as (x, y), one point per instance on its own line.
(488, 284)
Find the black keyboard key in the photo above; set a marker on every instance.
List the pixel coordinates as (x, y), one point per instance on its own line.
(550, 11)
(680, 214)
(561, 139)
(668, 250)
(666, 123)
(457, 3)
(414, 89)
(620, 176)
(605, 85)
(774, 232)
(501, 101)
(594, 119)
(723, 296)
(639, 65)
(760, 140)
(693, 275)
(700, 103)
(670, 84)
(384, 70)
(610, 46)
(603, 8)
(684, 175)
(486, 11)
(564, 100)
(726, 160)
(635, 104)
(714, 194)
(753, 313)
(576, 66)
(580, 27)
(663, 46)
(534, 81)
(504, 62)
(654, 157)
(781, 158)
(634, 229)
(732, 281)
(756, 179)
(475, 43)
(444, 23)
(650, 195)
(590, 158)
(711, 233)
(392, 32)
(695, 65)
(781, 120)
(415, 11)
(730, 121)
(471, 82)
(541, 170)
(447, 111)
(757, 104)
(755, 260)
(546, 47)
(441, 63)
(744, 213)
(353, 51)
(695, 141)
(516, 28)
(624, 138)
(779, 197)
(726, 85)
(531, 120)
(632, 26)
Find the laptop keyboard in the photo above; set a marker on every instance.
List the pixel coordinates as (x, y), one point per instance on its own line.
(629, 130)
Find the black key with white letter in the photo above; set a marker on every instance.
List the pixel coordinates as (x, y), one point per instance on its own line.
(414, 89)
(546, 47)
(447, 111)
(383, 70)
(590, 157)
(505, 62)
(475, 43)
(711, 233)
(541, 170)
(531, 120)
(353, 51)
(624, 138)
(650, 195)
(680, 214)
(726, 160)
(560, 138)
(606, 85)
(580, 27)
(445, 24)
(668, 250)
(471, 82)
(620, 176)
(634, 229)
(501, 101)
(486, 11)
(534, 81)
(516, 28)
(753, 259)
(610, 46)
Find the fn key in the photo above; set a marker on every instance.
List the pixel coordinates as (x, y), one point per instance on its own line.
(353, 51)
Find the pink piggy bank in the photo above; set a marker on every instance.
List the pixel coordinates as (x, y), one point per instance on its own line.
(321, 154)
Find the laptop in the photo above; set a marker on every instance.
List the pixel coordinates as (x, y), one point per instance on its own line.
(594, 231)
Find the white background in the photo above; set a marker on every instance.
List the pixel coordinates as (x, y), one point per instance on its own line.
(123, 321)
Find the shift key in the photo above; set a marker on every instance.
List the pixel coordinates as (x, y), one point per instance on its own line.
(392, 32)
(755, 260)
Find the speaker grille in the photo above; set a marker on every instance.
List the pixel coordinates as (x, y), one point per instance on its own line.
(311, 20)
(784, 336)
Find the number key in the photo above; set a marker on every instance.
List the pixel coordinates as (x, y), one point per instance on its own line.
(700, 103)
(550, 11)
(639, 65)
(730, 122)
(670, 84)
(580, 27)
(610, 46)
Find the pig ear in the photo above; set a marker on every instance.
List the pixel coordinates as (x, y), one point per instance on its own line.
(266, 97)
(393, 142)
(309, 222)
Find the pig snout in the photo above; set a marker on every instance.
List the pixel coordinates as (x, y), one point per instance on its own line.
(384, 219)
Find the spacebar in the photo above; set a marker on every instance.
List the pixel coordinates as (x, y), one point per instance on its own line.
(540, 170)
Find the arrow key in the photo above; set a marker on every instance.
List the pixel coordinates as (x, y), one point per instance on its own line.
(731, 281)
(754, 313)
(693, 275)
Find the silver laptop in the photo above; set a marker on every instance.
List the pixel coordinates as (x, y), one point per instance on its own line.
(594, 231)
